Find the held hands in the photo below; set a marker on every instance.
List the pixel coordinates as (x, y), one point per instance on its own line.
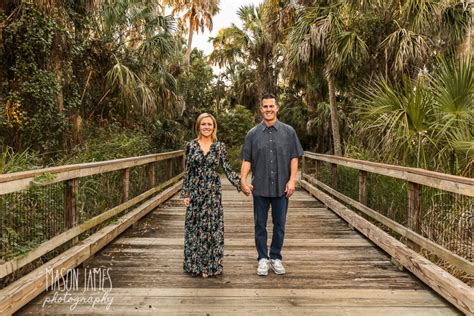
(290, 188)
(186, 201)
(246, 188)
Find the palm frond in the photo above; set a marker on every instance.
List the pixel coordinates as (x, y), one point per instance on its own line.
(405, 47)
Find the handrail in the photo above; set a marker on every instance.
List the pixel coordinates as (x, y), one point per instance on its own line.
(69, 213)
(451, 183)
(17, 181)
(411, 225)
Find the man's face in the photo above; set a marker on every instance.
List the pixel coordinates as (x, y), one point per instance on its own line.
(269, 109)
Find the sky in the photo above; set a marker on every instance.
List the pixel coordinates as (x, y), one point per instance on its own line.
(226, 16)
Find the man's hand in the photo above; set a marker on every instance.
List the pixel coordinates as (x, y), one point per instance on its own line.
(246, 188)
(186, 201)
(290, 188)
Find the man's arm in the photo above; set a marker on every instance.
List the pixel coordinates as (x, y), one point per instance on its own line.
(244, 172)
(291, 185)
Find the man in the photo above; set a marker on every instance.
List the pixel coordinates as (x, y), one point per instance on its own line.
(271, 151)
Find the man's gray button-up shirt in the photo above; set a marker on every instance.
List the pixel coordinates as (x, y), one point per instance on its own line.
(269, 151)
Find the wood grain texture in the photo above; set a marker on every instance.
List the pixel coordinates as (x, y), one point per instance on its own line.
(331, 270)
(447, 255)
(451, 288)
(17, 181)
(22, 291)
(442, 181)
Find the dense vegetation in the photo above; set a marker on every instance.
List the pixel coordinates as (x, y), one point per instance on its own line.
(378, 80)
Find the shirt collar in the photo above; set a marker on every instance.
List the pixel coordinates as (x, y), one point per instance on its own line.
(277, 125)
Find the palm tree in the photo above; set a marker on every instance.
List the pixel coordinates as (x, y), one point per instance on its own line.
(145, 41)
(452, 87)
(251, 46)
(228, 47)
(324, 38)
(197, 14)
(397, 119)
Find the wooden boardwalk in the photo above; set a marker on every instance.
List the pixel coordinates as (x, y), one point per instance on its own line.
(331, 270)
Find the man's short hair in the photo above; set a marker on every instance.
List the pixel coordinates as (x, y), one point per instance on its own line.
(269, 96)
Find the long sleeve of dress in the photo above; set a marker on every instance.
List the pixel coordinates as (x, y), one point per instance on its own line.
(185, 190)
(233, 177)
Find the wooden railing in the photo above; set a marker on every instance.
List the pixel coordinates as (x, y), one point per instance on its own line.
(46, 212)
(360, 192)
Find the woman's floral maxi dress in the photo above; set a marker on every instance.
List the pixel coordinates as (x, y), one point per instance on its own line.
(204, 224)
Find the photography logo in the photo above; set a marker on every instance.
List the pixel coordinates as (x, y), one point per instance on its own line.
(89, 286)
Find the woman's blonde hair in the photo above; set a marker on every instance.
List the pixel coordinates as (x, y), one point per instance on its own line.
(198, 123)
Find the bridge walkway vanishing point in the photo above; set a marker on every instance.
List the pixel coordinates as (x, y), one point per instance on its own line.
(331, 270)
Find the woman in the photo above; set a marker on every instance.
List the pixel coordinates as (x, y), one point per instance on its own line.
(204, 225)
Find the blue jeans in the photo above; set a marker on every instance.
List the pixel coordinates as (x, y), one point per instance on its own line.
(261, 206)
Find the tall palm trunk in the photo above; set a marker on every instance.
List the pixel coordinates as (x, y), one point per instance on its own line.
(334, 119)
(466, 46)
(190, 42)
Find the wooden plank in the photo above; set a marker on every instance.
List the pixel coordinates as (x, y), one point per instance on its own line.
(363, 187)
(455, 184)
(22, 180)
(414, 207)
(325, 275)
(334, 175)
(125, 185)
(318, 169)
(71, 218)
(151, 174)
(143, 241)
(19, 293)
(441, 252)
(17, 263)
(391, 296)
(452, 289)
(146, 306)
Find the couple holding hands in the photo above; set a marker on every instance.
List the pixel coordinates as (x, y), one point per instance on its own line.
(271, 151)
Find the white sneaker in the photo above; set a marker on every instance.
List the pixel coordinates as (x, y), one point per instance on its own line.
(277, 266)
(262, 267)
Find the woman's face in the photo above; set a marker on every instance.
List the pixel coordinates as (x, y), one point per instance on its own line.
(206, 127)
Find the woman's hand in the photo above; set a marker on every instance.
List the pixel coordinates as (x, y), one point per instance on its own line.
(186, 201)
(246, 188)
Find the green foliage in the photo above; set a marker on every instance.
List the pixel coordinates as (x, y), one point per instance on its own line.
(233, 125)
(196, 85)
(425, 122)
(111, 142)
(15, 162)
(295, 113)
(29, 40)
(168, 135)
(43, 179)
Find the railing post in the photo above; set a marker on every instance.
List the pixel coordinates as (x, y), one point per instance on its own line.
(414, 206)
(71, 218)
(303, 167)
(414, 209)
(151, 174)
(125, 184)
(318, 170)
(183, 163)
(334, 175)
(169, 166)
(363, 187)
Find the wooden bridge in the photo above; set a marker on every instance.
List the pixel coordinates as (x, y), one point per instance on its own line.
(111, 242)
